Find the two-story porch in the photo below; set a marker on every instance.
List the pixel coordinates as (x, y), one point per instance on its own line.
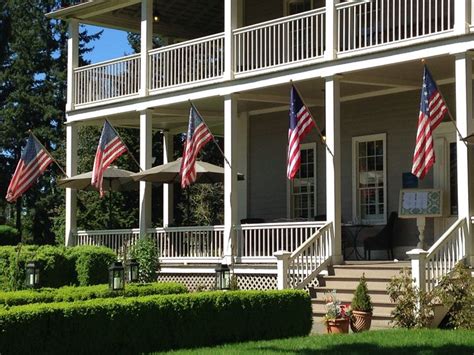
(357, 65)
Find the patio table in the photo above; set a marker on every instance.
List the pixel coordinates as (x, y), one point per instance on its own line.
(353, 231)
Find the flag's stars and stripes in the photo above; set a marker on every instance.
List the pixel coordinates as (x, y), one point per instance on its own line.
(197, 137)
(433, 109)
(301, 122)
(110, 148)
(33, 162)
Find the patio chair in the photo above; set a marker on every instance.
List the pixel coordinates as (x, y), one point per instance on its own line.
(383, 239)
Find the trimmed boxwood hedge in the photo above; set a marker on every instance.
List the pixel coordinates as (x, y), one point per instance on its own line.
(153, 323)
(71, 293)
(60, 266)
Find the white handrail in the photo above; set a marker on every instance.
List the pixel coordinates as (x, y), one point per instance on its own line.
(449, 250)
(307, 261)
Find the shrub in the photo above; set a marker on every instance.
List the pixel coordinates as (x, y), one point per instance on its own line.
(12, 265)
(154, 323)
(57, 268)
(361, 300)
(147, 256)
(456, 292)
(92, 263)
(9, 235)
(413, 308)
(81, 293)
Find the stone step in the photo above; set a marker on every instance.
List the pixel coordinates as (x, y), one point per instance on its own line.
(337, 282)
(345, 294)
(382, 270)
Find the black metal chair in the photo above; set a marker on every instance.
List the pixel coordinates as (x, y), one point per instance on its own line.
(383, 239)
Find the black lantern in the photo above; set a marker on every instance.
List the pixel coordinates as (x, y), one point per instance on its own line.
(32, 274)
(116, 276)
(132, 270)
(222, 277)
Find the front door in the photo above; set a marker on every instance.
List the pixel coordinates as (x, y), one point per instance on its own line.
(445, 175)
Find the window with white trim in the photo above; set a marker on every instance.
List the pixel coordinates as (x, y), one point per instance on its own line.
(369, 178)
(303, 186)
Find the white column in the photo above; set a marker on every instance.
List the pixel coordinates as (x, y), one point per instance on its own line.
(72, 61)
(145, 163)
(230, 23)
(146, 44)
(283, 258)
(464, 122)
(168, 151)
(71, 194)
(242, 163)
(331, 29)
(461, 16)
(230, 177)
(333, 162)
(418, 267)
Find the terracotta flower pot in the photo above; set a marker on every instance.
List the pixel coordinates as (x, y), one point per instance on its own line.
(360, 321)
(337, 326)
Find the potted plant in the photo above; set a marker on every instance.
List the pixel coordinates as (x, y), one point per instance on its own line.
(337, 315)
(362, 307)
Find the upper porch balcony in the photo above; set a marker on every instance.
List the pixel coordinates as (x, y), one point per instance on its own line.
(342, 30)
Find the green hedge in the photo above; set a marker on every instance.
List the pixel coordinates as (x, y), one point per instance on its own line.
(153, 323)
(9, 235)
(70, 293)
(60, 266)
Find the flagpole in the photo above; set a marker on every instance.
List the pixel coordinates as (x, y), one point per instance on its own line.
(213, 138)
(47, 152)
(128, 150)
(323, 139)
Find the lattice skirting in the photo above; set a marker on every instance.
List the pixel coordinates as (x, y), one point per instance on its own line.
(201, 282)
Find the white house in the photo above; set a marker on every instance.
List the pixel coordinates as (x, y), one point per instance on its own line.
(357, 63)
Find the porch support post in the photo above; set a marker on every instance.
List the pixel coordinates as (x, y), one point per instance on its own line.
(461, 16)
(168, 151)
(146, 44)
(464, 122)
(230, 23)
(418, 267)
(145, 163)
(333, 162)
(331, 29)
(230, 178)
(283, 258)
(242, 127)
(71, 194)
(72, 61)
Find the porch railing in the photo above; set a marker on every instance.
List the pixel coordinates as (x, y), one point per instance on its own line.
(113, 239)
(189, 242)
(107, 80)
(282, 41)
(187, 62)
(443, 256)
(264, 239)
(377, 22)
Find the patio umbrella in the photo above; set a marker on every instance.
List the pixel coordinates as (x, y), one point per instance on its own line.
(169, 173)
(115, 179)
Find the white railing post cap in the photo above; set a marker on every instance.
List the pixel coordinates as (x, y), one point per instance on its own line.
(281, 254)
(415, 254)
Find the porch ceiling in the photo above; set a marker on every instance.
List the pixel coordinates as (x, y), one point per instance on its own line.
(184, 19)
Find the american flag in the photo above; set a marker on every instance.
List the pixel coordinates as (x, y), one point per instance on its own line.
(432, 111)
(197, 137)
(110, 148)
(33, 162)
(301, 122)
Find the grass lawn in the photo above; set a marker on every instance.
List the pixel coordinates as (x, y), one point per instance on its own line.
(381, 342)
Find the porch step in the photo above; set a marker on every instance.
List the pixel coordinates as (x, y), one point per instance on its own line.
(345, 278)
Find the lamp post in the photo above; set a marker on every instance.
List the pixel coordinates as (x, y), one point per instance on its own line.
(132, 268)
(222, 277)
(116, 276)
(32, 274)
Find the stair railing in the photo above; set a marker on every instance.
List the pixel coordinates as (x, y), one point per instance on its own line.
(429, 267)
(298, 269)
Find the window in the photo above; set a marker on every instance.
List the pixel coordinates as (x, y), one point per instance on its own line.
(369, 178)
(303, 186)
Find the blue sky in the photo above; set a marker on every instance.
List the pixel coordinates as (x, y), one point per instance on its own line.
(113, 44)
